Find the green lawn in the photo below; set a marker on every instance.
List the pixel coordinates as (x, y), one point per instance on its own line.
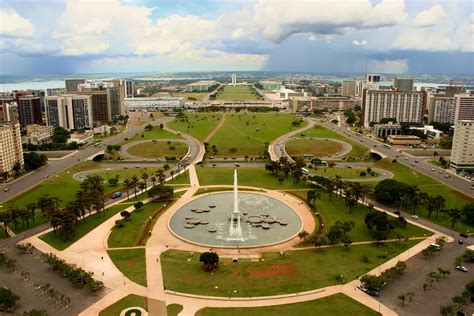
(180, 179)
(335, 210)
(248, 134)
(128, 301)
(316, 147)
(197, 125)
(174, 309)
(337, 304)
(83, 227)
(237, 93)
(124, 174)
(296, 271)
(343, 172)
(191, 96)
(135, 230)
(159, 149)
(248, 176)
(155, 133)
(320, 131)
(131, 262)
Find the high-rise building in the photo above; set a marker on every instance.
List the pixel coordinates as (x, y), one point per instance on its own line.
(403, 84)
(464, 107)
(69, 111)
(128, 88)
(405, 106)
(348, 88)
(11, 151)
(443, 110)
(72, 84)
(234, 78)
(450, 91)
(116, 98)
(29, 110)
(108, 99)
(9, 113)
(372, 81)
(462, 152)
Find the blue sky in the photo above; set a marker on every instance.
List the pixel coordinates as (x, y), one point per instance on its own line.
(86, 36)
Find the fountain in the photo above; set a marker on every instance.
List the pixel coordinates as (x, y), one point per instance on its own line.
(235, 228)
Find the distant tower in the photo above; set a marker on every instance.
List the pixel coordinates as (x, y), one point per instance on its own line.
(234, 79)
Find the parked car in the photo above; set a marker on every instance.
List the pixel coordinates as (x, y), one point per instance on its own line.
(460, 241)
(461, 268)
(362, 288)
(414, 216)
(6, 189)
(116, 195)
(464, 235)
(372, 292)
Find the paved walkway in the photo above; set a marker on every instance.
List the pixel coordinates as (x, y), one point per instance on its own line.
(273, 151)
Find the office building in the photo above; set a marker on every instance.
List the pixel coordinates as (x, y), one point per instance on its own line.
(405, 106)
(372, 82)
(70, 111)
(154, 103)
(116, 97)
(38, 134)
(404, 140)
(201, 86)
(462, 152)
(270, 85)
(107, 98)
(8, 112)
(464, 107)
(234, 79)
(81, 138)
(11, 151)
(444, 110)
(349, 88)
(450, 91)
(429, 131)
(29, 110)
(72, 84)
(384, 130)
(128, 88)
(403, 84)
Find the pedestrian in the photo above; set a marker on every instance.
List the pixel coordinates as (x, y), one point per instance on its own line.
(102, 257)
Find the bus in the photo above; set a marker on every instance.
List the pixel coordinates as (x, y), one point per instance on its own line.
(386, 146)
(305, 171)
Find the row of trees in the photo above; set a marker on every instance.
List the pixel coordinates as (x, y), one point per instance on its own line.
(376, 283)
(409, 198)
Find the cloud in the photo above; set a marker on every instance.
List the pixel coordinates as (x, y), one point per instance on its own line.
(430, 17)
(395, 66)
(359, 43)
(13, 25)
(280, 19)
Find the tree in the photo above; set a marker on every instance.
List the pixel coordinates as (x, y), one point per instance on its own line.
(402, 298)
(435, 205)
(378, 224)
(454, 214)
(145, 176)
(446, 310)
(320, 241)
(8, 299)
(162, 192)
(338, 232)
(60, 135)
(33, 161)
(48, 205)
(36, 312)
(303, 234)
(17, 168)
(162, 125)
(128, 185)
(5, 218)
(113, 181)
(468, 213)
(210, 260)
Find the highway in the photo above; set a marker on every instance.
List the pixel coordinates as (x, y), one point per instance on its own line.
(56, 166)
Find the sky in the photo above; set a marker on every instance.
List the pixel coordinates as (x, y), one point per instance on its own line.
(320, 36)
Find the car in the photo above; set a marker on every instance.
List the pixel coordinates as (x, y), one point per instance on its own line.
(414, 216)
(416, 161)
(116, 195)
(384, 174)
(461, 268)
(464, 235)
(372, 292)
(45, 176)
(6, 189)
(236, 164)
(440, 172)
(412, 163)
(460, 241)
(406, 158)
(214, 165)
(447, 176)
(362, 287)
(432, 169)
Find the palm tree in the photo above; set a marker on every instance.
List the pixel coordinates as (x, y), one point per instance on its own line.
(135, 181)
(5, 219)
(31, 207)
(153, 180)
(172, 174)
(145, 177)
(161, 177)
(455, 215)
(128, 185)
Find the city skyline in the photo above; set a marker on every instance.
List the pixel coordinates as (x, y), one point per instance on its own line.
(389, 36)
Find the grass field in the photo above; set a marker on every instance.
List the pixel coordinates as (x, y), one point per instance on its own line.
(135, 230)
(296, 271)
(155, 133)
(320, 131)
(337, 304)
(83, 227)
(174, 309)
(191, 96)
(343, 172)
(123, 174)
(131, 262)
(248, 176)
(237, 93)
(180, 179)
(335, 210)
(249, 134)
(316, 147)
(196, 125)
(159, 149)
(128, 301)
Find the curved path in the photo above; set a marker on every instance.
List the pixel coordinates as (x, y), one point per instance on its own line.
(346, 147)
(278, 143)
(218, 126)
(126, 147)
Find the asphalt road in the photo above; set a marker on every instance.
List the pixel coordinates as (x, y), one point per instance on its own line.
(458, 183)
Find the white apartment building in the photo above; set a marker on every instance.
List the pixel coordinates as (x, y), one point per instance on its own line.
(462, 152)
(70, 111)
(444, 110)
(404, 106)
(464, 107)
(10, 147)
(38, 134)
(348, 88)
(234, 79)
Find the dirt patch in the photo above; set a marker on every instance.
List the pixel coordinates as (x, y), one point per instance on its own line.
(235, 274)
(274, 270)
